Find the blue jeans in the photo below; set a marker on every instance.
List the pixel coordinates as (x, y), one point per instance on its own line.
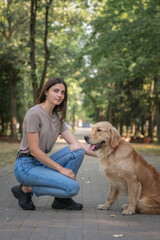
(46, 181)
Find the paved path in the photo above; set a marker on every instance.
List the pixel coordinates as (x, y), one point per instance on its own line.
(88, 224)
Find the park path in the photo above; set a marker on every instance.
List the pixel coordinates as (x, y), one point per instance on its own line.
(88, 224)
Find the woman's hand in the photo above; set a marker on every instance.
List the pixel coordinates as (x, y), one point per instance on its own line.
(68, 172)
(75, 144)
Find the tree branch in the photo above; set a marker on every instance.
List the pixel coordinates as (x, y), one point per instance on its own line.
(48, 4)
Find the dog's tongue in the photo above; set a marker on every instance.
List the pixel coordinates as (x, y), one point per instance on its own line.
(92, 147)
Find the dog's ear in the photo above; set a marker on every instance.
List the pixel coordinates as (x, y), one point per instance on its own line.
(115, 137)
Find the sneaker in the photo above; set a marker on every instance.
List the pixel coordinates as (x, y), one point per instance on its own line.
(66, 203)
(24, 199)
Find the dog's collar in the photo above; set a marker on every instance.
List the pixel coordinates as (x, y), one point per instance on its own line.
(114, 149)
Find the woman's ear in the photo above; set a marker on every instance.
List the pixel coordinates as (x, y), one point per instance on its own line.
(115, 137)
(46, 93)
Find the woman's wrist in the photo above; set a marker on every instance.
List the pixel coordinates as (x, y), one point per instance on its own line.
(60, 168)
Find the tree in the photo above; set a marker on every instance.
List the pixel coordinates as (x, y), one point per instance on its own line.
(34, 6)
(125, 45)
(11, 43)
(36, 36)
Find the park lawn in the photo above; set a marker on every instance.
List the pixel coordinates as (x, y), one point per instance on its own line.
(151, 149)
(8, 151)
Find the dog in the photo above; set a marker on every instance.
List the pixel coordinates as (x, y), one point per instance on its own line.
(127, 171)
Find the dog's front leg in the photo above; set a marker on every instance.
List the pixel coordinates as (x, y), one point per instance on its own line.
(134, 193)
(112, 196)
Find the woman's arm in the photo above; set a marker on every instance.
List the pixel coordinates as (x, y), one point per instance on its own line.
(70, 139)
(33, 142)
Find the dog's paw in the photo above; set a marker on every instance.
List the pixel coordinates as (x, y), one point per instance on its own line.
(128, 212)
(102, 206)
(124, 206)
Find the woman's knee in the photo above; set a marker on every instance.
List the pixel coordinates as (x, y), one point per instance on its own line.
(78, 154)
(74, 189)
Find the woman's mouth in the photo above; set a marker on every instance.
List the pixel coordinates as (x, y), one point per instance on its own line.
(58, 100)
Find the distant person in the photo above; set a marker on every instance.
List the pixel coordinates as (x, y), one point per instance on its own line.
(38, 173)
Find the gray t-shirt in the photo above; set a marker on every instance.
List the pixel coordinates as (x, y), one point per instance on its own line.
(49, 127)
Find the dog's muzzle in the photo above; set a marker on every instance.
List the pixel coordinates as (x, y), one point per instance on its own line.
(94, 147)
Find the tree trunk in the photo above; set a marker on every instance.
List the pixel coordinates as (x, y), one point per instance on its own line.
(12, 78)
(109, 112)
(48, 4)
(151, 113)
(36, 89)
(13, 81)
(121, 118)
(157, 106)
(2, 125)
(133, 131)
(32, 47)
(142, 129)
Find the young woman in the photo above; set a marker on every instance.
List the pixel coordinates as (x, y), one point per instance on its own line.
(37, 172)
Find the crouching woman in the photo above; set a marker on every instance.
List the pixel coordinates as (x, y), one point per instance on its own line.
(37, 172)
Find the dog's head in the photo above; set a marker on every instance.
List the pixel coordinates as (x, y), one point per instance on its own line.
(102, 134)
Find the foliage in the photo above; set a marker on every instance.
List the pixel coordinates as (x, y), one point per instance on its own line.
(107, 51)
(123, 52)
(64, 31)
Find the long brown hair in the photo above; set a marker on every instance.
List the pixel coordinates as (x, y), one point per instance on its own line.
(62, 108)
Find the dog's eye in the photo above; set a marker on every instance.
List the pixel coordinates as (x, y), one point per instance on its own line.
(99, 130)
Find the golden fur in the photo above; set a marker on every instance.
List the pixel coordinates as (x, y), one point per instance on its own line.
(127, 171)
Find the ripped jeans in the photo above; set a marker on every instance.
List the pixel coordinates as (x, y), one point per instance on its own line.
(46, 181)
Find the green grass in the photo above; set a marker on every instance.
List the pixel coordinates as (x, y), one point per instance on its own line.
(151, 149)
(8, 151)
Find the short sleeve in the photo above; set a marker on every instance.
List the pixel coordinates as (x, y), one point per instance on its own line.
(31, 122)
(63, 127)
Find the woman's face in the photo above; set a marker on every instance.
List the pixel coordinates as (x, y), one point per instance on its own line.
(55, 95)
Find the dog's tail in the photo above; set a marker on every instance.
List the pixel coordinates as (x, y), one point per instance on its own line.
(149, 204)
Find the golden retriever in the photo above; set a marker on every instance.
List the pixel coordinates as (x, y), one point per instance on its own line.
(126, 170)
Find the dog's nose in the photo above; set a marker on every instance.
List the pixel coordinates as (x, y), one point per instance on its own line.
(86, 137)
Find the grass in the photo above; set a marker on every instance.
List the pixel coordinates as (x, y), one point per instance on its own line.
(8, 151)
(151, 149)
